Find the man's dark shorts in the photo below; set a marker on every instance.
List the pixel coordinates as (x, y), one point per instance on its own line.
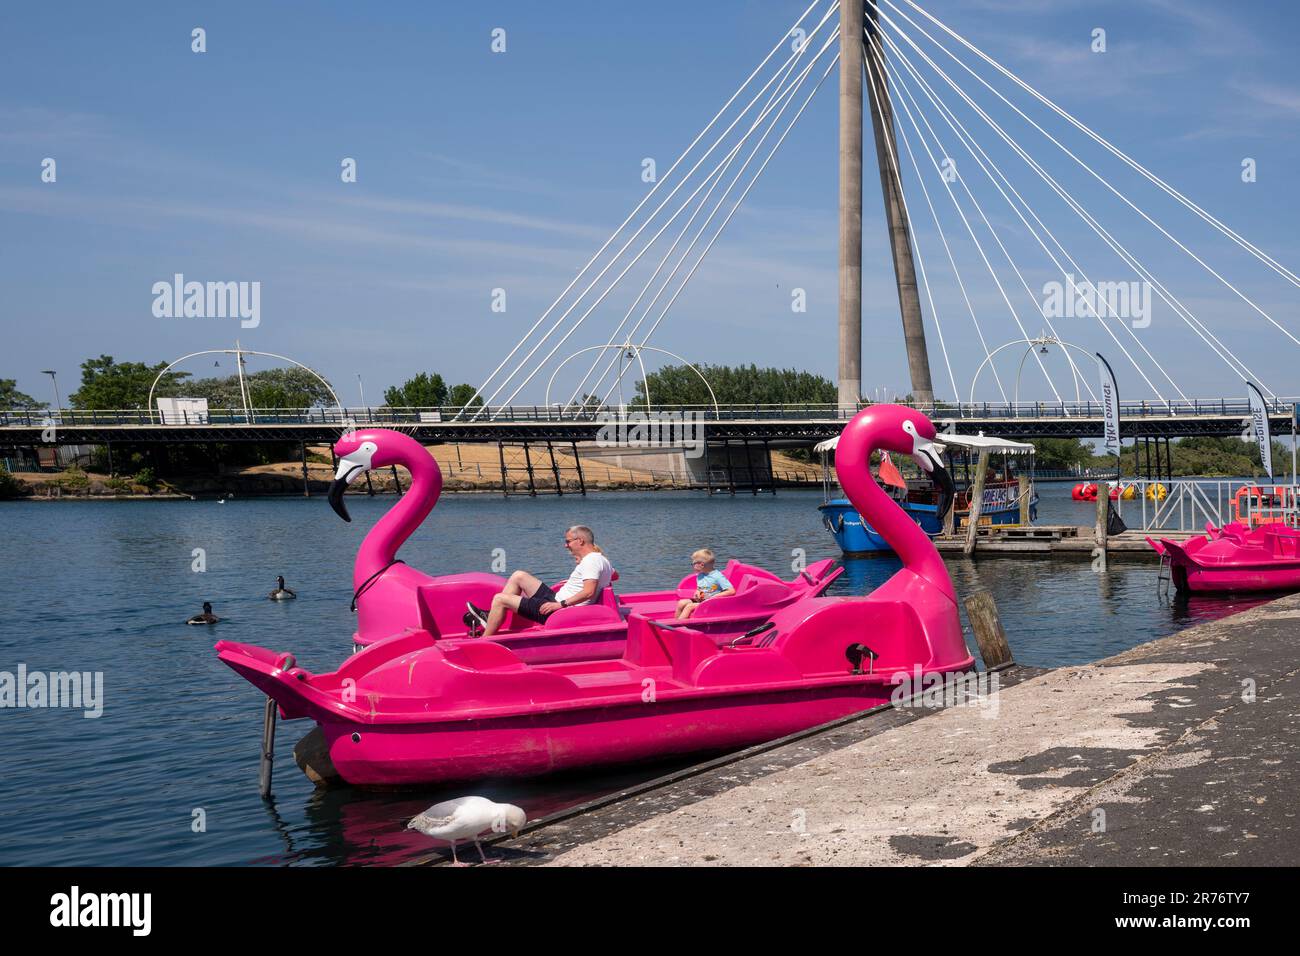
(530, 607)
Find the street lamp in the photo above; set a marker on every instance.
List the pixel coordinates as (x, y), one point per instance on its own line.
(58, 403)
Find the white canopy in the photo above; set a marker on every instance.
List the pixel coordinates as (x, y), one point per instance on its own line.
(980, 442)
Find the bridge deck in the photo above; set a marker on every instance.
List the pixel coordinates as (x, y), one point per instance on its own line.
(788, 425)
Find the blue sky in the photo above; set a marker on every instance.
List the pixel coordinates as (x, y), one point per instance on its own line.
(479, 171)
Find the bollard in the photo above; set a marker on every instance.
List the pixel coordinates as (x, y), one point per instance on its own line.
(982, 612)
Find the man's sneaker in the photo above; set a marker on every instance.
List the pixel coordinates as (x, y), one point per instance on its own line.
(475, 619)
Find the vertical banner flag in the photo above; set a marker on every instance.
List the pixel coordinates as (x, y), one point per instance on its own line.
(1259, 423)
(1109, 408)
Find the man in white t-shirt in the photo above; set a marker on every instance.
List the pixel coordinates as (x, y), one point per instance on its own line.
(531, 598)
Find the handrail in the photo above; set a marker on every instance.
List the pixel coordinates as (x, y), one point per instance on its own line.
(1186, 504)
(752, 411)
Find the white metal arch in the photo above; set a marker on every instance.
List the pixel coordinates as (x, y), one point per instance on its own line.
(1031, 345)
(239, 352)
(644, 377)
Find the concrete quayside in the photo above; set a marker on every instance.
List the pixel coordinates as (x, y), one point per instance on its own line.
(1181, 751)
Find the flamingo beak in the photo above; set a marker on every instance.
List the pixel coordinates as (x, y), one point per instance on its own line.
(929, 455)
(348, 469)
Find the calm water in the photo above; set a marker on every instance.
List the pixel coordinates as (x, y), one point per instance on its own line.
(107, 586)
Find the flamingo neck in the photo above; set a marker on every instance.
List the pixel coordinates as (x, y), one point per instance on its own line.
(379, 549)
(912, 545)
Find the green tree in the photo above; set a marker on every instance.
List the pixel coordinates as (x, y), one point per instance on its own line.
(1209, 457)
(460, 396)
(10, 397)
(426, 390)
(108, 384)
(10, 487)
(1060, 453)
(736, 385)
(270, 388)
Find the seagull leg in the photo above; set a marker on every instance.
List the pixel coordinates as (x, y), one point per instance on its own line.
(454, 861)
(482, 856)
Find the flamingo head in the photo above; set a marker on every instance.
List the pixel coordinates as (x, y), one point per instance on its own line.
(905, 431)
(361, 451)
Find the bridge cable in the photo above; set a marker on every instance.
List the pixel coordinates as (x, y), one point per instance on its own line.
(538, 367)
(684, 179)
(807, 42)
(1120, 154)
(900, 80)
(1185, 314)
(1101, 179)
(1068, 277)
(960, 130)
(741, 199)
(645, 199)
(1074, 370)
(979, 247)
(969, 141)
(891, 149)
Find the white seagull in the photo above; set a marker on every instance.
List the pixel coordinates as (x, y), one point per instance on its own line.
(465, 818)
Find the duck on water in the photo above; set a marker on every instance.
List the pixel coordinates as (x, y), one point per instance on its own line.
(207, 617)
(281, 593)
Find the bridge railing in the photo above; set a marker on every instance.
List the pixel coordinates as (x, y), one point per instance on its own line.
(757, 411)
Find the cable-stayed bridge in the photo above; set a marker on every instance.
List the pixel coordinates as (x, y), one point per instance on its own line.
(982, 180)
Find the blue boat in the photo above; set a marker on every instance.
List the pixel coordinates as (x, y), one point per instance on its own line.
(1000, 504)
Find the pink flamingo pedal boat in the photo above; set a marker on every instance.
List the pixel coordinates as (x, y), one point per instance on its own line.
(415, 710)
(1235, 559)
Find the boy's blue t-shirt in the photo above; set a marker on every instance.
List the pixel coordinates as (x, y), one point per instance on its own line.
(712, 583)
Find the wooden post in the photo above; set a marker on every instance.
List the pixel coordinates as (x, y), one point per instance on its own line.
(1103, 513)
(268, 749)
(306, 491)
(1023, 491)
(397, 482)
(976, 500)
(982, 612)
